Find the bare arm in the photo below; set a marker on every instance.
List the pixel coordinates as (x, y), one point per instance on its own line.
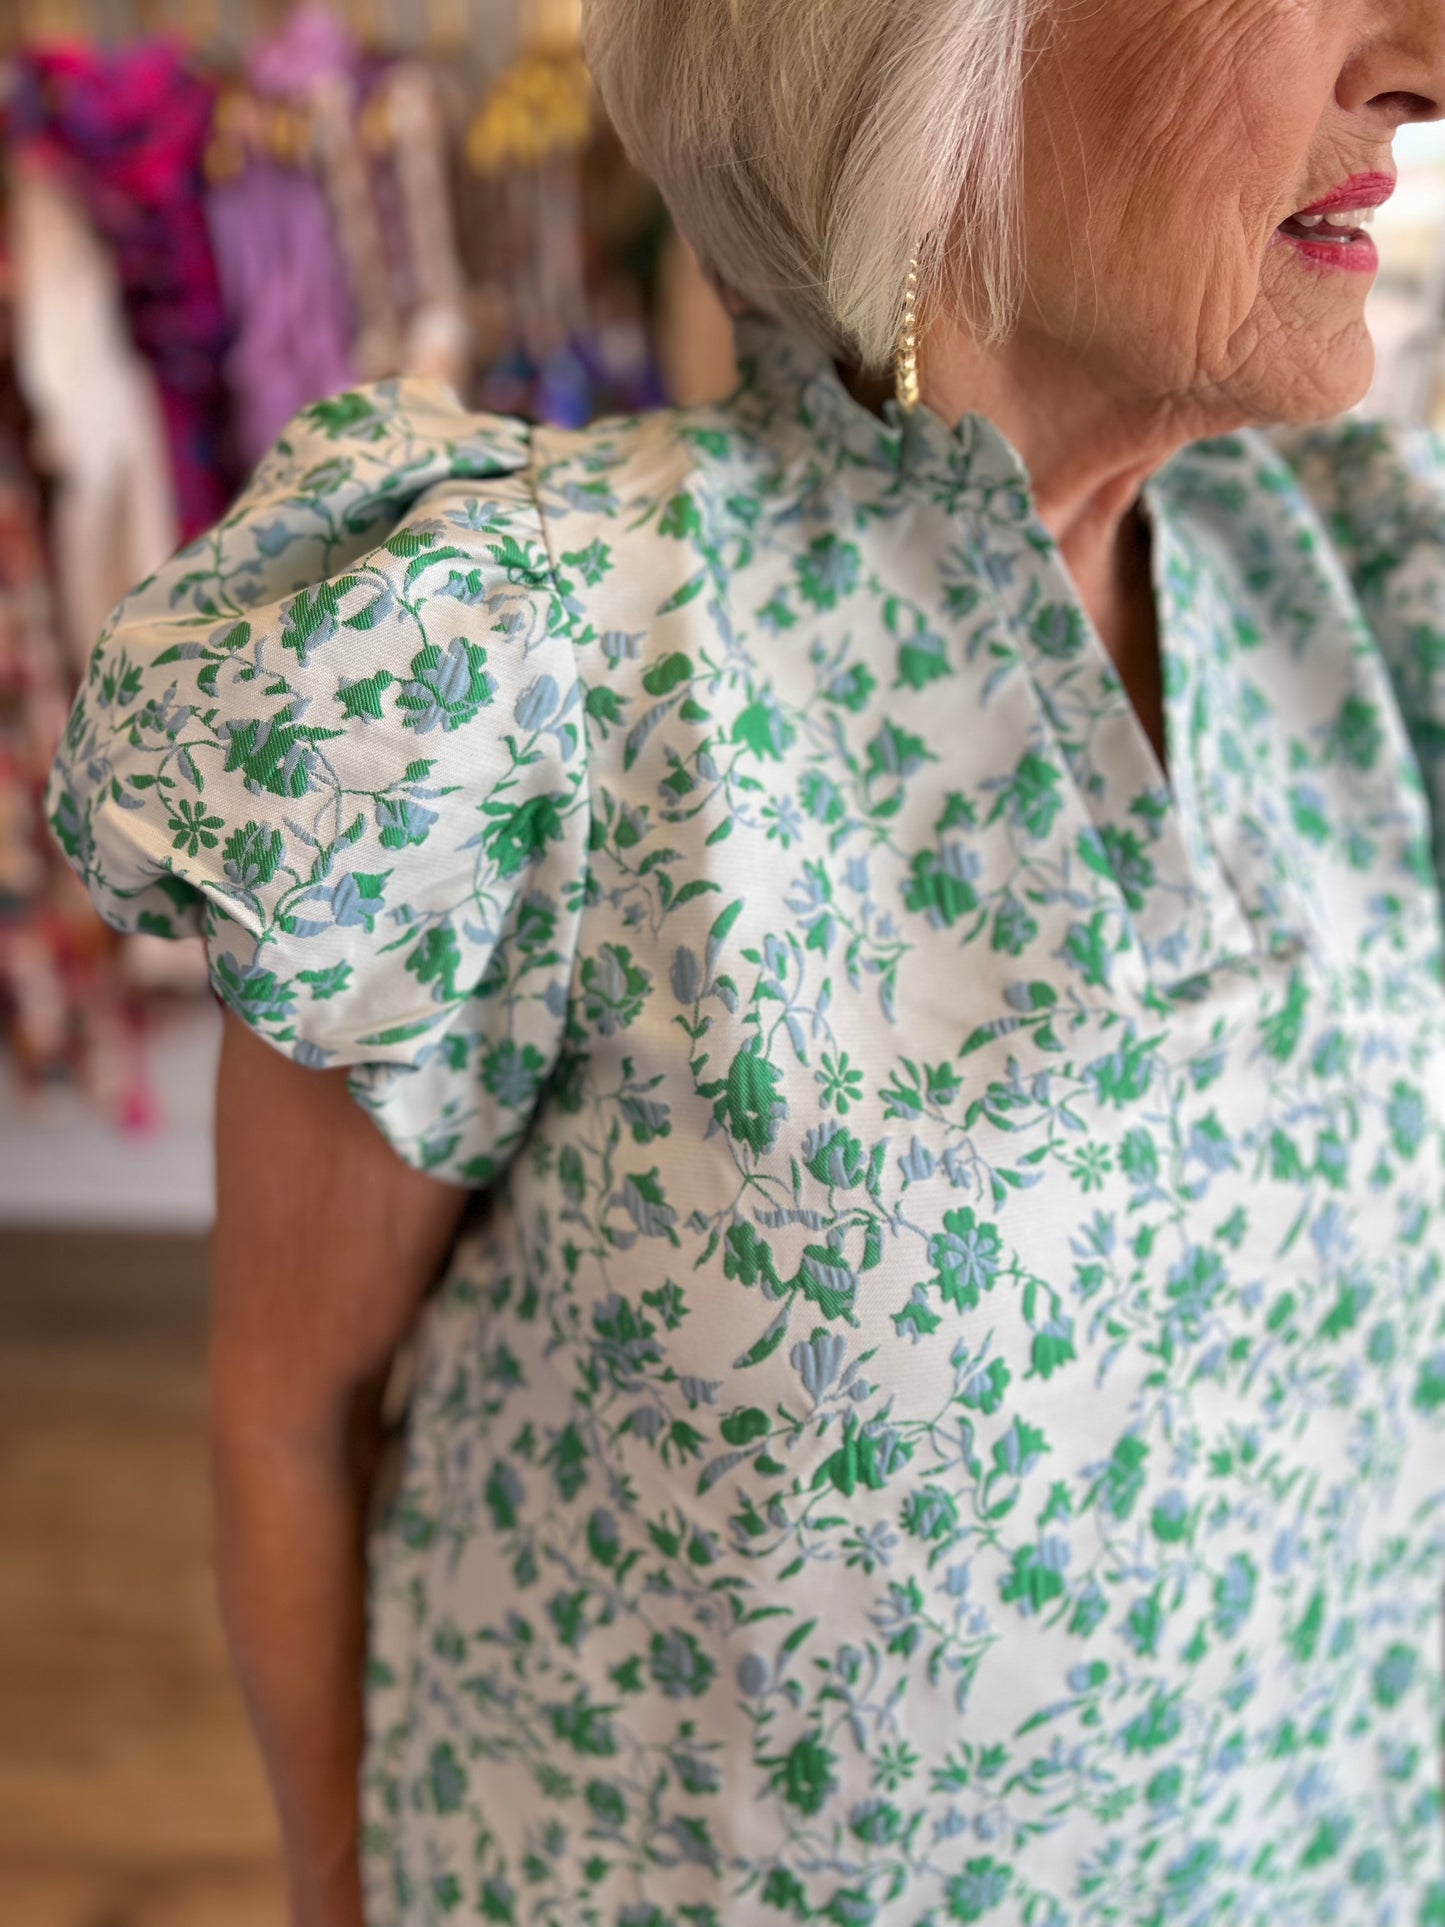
(325, 1244)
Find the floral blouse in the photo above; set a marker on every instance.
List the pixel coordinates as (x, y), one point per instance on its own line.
(936, 1414)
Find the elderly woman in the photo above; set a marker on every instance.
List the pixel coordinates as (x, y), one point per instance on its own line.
(917, 929)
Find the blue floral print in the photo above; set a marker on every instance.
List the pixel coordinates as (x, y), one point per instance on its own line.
(939, 1418)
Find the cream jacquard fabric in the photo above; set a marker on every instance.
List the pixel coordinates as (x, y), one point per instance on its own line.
(939, 1417)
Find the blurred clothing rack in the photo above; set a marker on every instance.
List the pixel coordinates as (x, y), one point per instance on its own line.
(485, 28)
(270, 202)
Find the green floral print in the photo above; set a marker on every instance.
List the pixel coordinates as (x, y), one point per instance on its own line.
(939, 1420)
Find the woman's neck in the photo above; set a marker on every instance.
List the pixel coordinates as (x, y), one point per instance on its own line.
(1088, 454)
(1088, 448)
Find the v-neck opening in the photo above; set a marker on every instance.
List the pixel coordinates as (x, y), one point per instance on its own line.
(1149, 818)
(1185, 908)
(1170, 666)
(1182, 671)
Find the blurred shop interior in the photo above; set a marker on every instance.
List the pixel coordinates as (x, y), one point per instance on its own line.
(207, 226)
(213, 212)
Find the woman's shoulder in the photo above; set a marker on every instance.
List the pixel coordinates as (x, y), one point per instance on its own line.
(340, 736)
(399, 577)
(383, 581)
(349, 464)
(1378, 486)
(1370, 494)
(627, 470)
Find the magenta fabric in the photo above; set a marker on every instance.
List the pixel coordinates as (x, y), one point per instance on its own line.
(129, 127)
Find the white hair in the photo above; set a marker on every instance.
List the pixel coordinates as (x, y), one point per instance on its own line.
(809, 149)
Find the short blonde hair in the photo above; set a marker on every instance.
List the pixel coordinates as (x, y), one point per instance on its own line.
(810, 148)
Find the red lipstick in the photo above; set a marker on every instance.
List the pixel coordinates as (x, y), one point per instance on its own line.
(1322, 242)
(1360, 190)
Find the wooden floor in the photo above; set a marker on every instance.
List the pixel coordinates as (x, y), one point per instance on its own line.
(130, 1795)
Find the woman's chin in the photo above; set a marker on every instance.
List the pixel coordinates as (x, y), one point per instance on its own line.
(1318, 388)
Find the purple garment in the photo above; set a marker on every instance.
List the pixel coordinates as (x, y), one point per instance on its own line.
(312, 44)
(282, 276)
(286, 297)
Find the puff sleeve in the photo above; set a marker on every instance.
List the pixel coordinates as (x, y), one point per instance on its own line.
(340, 738)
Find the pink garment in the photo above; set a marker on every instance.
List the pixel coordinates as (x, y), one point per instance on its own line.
(128, 127)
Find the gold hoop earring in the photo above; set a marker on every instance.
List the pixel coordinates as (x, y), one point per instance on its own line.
(910, 386)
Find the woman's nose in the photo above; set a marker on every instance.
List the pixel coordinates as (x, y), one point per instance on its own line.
(1397, 75)
(1397, 68)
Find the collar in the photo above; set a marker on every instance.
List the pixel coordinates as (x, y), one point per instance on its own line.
(790, 380)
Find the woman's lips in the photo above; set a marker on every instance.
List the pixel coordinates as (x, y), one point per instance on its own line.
(1319, 234)
(1335, 240)
(1357, 254)
(1360, 190)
